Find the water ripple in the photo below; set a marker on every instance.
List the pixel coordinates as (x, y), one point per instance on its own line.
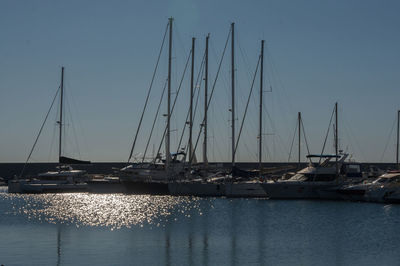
(111, 210)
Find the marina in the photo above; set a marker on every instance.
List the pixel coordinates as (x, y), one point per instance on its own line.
(199, 133)
(179, 174)
(332, 178)
(354, 186)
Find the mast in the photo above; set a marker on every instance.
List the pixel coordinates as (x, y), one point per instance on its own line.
(233, 91)
(191, 109)
(205, 160)
(261, 104)
(299, 118)
(167, 142)
(61, 113)
(336, 138)
(398, 130)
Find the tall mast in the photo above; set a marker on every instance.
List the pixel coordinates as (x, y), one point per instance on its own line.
(61, 113)
(398, 130)
(336, 138)
(167, 142)
(205, 160)
(261, 104)
(191, 109)
(233, 92)
(299, 118)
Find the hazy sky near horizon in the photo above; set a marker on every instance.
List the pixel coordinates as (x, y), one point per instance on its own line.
(317, 53)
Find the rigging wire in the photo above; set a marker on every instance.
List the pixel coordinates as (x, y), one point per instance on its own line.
(252, 123)
(326, 136)
(178, 37)
(305, 137)
(216, 116)
(388, 139)
(197, 90)
(352, 138)
(53, 136)
(176, 97)
(282, 97)
(73, 126)
(40, 131)
(247, 105)
(223, 75)
(198, 86)
(148, 94)
(274, 129)
(212, 92)
(79, 128)
(244, 58)
(155, 119)
(291, 145)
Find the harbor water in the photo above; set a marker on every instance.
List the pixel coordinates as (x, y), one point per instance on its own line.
(117, 229)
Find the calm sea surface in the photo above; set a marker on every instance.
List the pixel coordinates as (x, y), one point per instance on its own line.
(88, 229)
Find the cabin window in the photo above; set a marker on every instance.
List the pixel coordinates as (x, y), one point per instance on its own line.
(299, 177)
(353, 168)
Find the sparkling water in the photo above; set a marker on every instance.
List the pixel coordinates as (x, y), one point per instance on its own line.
(117, 229)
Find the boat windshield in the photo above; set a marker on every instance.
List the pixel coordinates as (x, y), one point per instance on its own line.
(383, 180)
(298, 177)
(313, 177)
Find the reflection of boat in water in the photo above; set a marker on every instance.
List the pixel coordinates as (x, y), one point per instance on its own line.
(64, 179)
(393, 196)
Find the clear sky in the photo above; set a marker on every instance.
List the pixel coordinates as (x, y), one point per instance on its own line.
(317, 53)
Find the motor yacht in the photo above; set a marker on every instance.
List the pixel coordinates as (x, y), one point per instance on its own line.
(310, 181)
(376, 190)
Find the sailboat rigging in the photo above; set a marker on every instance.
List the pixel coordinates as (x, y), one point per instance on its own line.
(65, 178)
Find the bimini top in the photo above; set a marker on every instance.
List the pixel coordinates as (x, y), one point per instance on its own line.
(178, 153)
(323, 156)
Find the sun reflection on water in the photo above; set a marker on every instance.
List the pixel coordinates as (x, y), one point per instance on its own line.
(110, 210)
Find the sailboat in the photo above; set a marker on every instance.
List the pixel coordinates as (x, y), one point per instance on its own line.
(153, 177)
(65, 178)
(203, 183)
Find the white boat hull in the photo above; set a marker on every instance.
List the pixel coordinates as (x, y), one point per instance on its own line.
(245, 189)
(296, 190)
(26, 186)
